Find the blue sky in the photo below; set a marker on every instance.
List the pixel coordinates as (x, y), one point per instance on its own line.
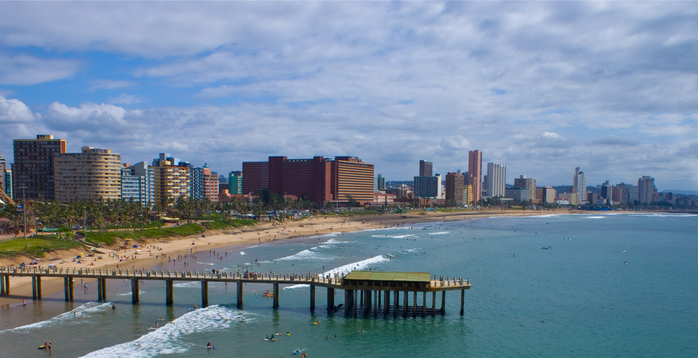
(544, 87)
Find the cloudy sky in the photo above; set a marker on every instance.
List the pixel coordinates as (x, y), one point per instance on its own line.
(611, 87)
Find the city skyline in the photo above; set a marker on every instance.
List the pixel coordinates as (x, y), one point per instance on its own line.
(548, 86)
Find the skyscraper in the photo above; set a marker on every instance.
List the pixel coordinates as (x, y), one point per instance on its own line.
(579, 187)
(475, 174)
(496, 179)
(93, 174)
(607, 192)
(646, 189)
(425, 168)
(528, 184)
(32, 171)
(455, 188)
(138, 184)
(380, 183)
(3, 167)
(204, 183)
(235, 182)
(172, 178)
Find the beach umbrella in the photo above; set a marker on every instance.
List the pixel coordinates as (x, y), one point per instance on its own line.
(135, 245)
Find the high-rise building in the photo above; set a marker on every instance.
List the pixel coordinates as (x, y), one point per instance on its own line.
(579, 187)
(455, 188)
(518, 194)
(172, 178)
(425, 168)
(495, 180)
(3, 167)
(319, 180)
(426, 187)
(607, 192)
(32, 170)
(646, 189)
(235, 183)
(255, 176)
(138, 183)
(467, 193)
(439, 187)
(546, 194)
(475, 174)
(528, 184)
(7, 177)
(204, 183)
(380, 183)
(351, 177)
(93, 174)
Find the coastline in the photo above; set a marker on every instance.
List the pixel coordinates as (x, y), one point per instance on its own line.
(154, 252)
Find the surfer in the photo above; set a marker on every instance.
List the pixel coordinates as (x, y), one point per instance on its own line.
(209, 345)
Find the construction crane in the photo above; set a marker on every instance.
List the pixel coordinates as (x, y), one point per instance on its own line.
(6, 199)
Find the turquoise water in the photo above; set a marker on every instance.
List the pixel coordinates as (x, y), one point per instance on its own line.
(583, 297)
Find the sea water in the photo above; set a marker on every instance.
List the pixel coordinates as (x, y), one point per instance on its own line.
(605, 286)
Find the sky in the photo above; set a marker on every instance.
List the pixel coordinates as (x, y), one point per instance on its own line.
(544, 87)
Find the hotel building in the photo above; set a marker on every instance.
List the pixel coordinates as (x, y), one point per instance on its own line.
(475, 174)
(495, 181)
(138, 183)
(204, 183)
(172, 178)
(455, 188)
(93, 174)
(33, 171)
(528, 184)
(235, 183)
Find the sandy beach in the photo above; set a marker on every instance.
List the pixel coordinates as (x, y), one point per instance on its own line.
(153, 252)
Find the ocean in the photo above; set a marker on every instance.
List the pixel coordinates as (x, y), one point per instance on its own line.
(607, 285)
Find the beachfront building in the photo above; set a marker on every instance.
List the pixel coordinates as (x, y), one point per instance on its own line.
(495, 180)
(475, 174)
(528, 184)
(607, 192)
(318, 179)
(172, 178)
(646, 189)
(518, 194)
(235, 183)
(3, 167)
(255, 177)
(455, 188)
(7, 176)
(93, 174)
(546, 194)
(426, 187)
(204, 183)
(138, 183)
(33, 171)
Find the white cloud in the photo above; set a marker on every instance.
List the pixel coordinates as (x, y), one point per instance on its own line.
(13, 111)
(110, 84)
(29, 70)
(126, 99)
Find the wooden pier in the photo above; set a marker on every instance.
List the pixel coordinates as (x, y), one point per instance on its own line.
(365, 292)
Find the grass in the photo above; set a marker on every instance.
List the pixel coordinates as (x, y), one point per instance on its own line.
(36, 246)
(108, 238)
(356, 212)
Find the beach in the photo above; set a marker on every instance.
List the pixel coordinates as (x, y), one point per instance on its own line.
(153, 252)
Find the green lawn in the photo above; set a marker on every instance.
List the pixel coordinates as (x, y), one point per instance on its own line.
(108, 238)
(36, 246)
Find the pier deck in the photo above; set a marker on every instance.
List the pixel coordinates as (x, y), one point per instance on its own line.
(360, 287)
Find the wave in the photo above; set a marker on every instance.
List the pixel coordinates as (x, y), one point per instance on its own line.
(76, 316)
(205, 263)
(595, 217)
(307, 254)
(393, 236)
(440, 233)
(140, 292)
(335, 272)
(188, 284)
(167, 339)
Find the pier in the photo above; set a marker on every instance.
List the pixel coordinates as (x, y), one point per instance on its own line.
(365, 292)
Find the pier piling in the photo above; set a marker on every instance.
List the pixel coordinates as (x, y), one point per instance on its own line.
(34, 287)
(462, 302)
(204, 294)
(276, 295)
(135, 291)
(239, 294)
(2, 285)
(169, 299)
(312, 297)
(386, 307)
(443, 303)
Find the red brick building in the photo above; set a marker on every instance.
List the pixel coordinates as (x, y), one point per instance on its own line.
(318, 179)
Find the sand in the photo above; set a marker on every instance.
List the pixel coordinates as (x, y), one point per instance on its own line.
(153, 252)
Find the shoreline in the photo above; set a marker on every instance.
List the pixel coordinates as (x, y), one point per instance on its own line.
(153, 252)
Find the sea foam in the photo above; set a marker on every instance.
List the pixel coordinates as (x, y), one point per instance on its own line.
(336, 272)
(80, 314)
(166, 340)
